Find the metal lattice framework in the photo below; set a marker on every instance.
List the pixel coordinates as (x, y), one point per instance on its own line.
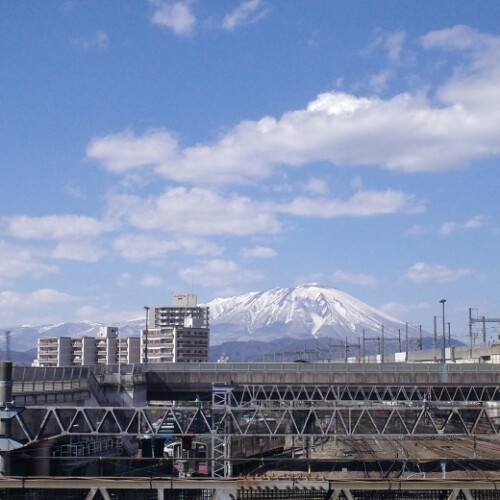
(277, 411)
(358, 411)
(282, 411)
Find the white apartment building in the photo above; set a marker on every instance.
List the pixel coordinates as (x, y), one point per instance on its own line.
(87, 350)
(177, 333)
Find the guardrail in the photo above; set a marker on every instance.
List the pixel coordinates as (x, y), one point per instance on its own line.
(323, 367)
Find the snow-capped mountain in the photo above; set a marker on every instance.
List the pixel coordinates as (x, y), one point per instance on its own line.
(306, 311)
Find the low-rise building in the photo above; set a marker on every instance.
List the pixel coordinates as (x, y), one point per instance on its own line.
(106, 348)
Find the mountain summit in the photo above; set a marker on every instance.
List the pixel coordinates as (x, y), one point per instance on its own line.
(304, 312)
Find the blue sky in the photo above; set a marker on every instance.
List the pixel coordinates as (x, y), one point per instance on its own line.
(152, 147)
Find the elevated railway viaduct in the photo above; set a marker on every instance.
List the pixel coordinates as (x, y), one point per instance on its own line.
(182, 381)
(382, 413)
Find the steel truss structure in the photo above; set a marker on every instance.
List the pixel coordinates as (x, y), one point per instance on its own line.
(276, 411)
(281, 411)
(363, 420)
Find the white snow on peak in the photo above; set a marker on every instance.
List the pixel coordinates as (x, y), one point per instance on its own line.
(300, 312)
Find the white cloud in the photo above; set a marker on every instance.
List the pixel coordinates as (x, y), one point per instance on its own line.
(143, 247)
(16, 261)
(98, 40)
(122, 152)
(316, 186)
(447, 228)
(259, 252)
(15, 301)
(55, 227)
(219, 273)
(380, 81)
(80, 251)
(474, 84)
(474, 222)
(461, 38)
(360, 204)
(151, 281)
(398, 310)
(176, 212)
(49, 296)
(247, 12)
(404, 133)
(435, 273)
(409, 132)
(415, 230)
(201, 247)
(176, 16)
(392, 43)
(124, 279)
(179, 211)
(450, 227)
(76, 191)
(355, 278)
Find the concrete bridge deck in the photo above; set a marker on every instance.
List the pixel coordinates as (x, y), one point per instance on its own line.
(185, 380)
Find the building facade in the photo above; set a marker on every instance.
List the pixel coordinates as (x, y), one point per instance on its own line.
(106, 348)
(176, 333)
(54, 351)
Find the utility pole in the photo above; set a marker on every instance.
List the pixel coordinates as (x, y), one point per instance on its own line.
(406, 340)
(482, 320)
(364, 346)
(435, 343)
(383, 346)
(443, 302)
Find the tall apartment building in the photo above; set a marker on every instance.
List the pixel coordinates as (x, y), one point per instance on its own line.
(104, 349)
(176, 333)
(185, 307)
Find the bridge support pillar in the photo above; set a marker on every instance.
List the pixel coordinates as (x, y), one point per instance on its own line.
(4, 463)
(42, 459)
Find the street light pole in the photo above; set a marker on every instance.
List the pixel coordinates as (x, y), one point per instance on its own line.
(443, 301)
